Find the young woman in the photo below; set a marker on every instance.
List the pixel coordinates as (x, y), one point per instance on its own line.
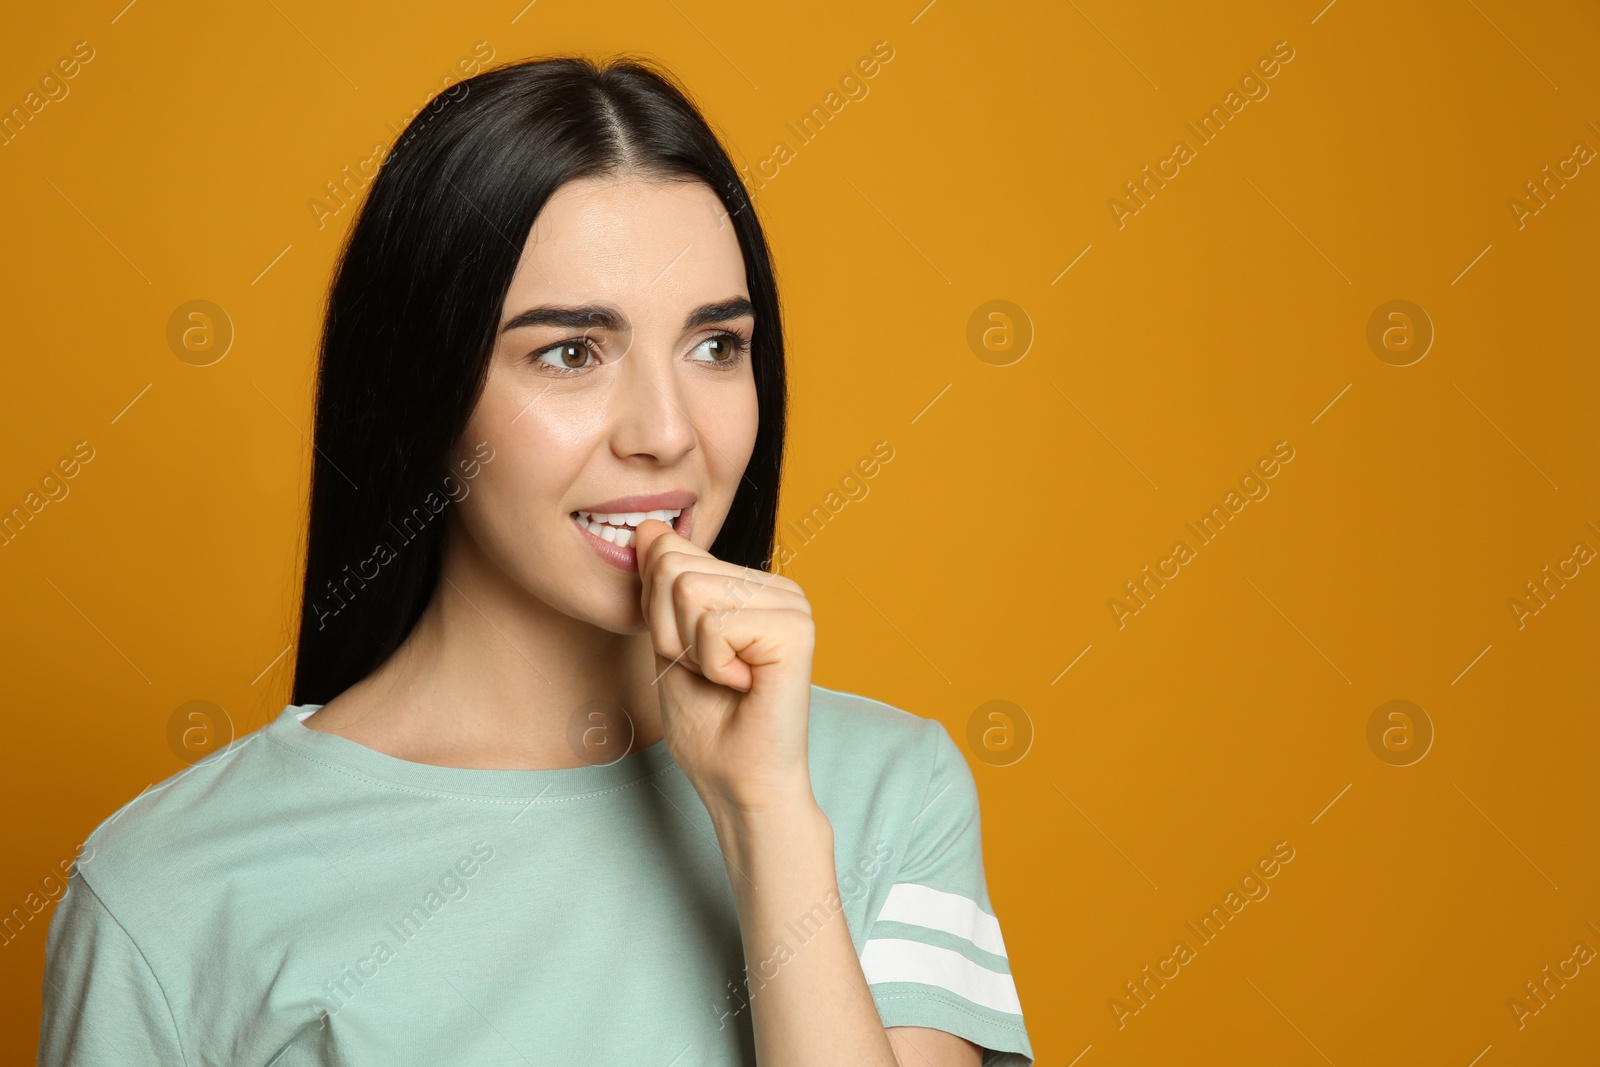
(556, 786)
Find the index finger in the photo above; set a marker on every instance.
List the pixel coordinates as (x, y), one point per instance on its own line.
(653, 539)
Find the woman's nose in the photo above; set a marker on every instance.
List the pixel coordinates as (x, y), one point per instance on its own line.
(652, 412)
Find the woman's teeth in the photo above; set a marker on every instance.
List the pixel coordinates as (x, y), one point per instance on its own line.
(621, 529)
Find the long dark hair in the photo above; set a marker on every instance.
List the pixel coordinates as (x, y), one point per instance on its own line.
(412, 314)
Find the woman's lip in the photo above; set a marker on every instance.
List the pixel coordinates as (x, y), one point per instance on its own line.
(626, 559)
(677, 498)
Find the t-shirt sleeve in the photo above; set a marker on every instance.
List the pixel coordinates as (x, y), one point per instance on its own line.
(102, 1003)
(933, 955)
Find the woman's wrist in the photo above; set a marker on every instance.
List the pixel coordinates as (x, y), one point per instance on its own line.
(765, 804)
(791, 826)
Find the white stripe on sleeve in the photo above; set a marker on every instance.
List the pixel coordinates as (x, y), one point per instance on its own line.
(921, 905)
(893, 959)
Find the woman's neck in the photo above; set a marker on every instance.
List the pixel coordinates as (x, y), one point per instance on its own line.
(493, 677)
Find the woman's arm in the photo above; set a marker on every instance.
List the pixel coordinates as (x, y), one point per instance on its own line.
(102, 1003)
(808, 998)
(809, 1003)
(735, 650)
(923, 1046)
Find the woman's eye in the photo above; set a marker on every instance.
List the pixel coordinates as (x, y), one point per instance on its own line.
(567, 356)
(724, 348)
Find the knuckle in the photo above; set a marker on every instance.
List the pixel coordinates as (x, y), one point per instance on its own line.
(706, 632)
(670, 562)
(680, 583)
(696, 582)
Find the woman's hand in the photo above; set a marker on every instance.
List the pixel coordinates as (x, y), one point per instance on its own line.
(734, 646)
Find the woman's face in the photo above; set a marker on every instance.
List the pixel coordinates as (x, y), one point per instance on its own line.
(621, 370)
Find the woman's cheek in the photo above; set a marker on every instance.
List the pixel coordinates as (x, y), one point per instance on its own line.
(496, 510)
(736, 432)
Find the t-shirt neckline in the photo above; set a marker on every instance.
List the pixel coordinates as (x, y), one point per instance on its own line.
(290, 731)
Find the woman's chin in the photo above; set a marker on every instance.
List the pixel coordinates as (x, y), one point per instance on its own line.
(626, 619)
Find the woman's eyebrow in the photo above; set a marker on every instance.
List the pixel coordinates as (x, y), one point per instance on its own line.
(736, 308)
(606, 319)
(568, 317)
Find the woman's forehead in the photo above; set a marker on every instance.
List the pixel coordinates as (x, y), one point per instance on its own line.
(630, 239)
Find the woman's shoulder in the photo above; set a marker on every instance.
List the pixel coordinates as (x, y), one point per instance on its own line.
(172, 825)
(854, 735)
(840, 712)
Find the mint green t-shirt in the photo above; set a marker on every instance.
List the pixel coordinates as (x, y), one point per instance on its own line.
(300, 899)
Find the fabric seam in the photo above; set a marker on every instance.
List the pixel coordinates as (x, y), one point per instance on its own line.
(946, 1000)
(177, 1035)
(540, 799)
(934, 726)
(905, 842)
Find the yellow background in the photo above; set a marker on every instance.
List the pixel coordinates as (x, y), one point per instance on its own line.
(1229, 314)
